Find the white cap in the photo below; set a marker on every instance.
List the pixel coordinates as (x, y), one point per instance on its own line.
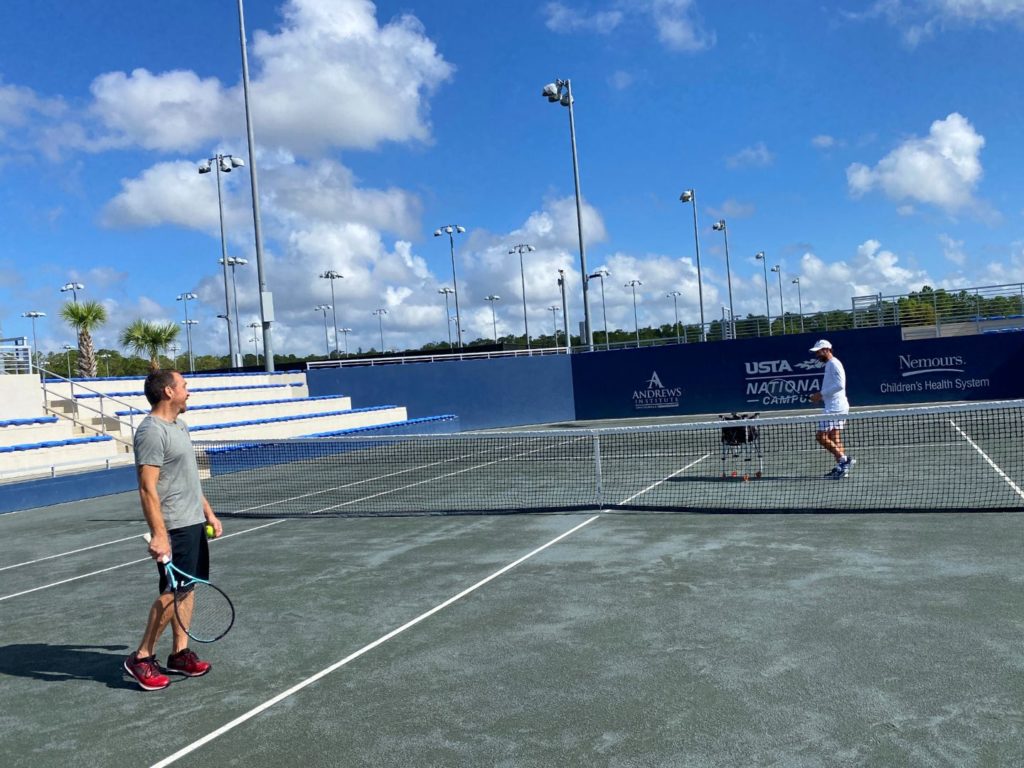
(821, 344)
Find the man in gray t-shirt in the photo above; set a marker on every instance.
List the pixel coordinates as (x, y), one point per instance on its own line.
(178, 515)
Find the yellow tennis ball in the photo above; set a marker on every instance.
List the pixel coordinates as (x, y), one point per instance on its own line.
(210, 532)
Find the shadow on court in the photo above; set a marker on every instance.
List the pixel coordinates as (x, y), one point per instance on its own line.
(63, 663)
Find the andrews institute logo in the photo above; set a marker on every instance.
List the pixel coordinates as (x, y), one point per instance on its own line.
(656, 395)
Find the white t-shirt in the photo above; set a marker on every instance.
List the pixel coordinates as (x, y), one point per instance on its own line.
(833, 388)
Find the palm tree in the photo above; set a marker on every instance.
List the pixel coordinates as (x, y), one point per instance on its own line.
(84, 318)
(145, 338)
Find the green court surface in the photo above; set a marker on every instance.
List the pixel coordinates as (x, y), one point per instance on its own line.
(633, 640)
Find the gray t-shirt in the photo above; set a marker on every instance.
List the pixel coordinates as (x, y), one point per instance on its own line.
(159, 443)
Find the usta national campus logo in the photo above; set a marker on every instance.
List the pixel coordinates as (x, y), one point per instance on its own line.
(656, 395)
(778, 382)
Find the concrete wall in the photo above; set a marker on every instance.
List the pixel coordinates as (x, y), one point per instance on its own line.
(484, 394)
(21, 396)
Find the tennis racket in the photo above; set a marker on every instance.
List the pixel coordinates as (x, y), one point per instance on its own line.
(202, 609)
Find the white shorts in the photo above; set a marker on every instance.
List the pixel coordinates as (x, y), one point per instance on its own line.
(827, 425)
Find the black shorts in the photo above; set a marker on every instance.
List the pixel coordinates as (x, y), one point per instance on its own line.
(189, 553)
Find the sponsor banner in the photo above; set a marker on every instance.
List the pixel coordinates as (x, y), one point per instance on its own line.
(779, 373)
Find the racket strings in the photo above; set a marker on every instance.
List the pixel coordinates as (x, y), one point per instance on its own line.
(204, 612)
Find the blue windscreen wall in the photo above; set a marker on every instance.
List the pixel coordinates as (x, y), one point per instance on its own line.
(762, 375)
(484, 394)
(780, 373)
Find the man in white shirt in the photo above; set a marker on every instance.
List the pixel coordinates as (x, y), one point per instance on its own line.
(833, 397)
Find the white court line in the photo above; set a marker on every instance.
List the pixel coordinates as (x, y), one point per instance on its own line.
(72, 552)
(1013, 485)
(439, 477)
(123, 565)
(353, 656)
(321, 491)
(652, 486)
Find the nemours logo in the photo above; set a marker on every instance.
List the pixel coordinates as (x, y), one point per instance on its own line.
(656, 394)
(774, 382)
(915, 366)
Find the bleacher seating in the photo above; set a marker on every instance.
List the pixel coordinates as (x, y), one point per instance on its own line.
(88, 423)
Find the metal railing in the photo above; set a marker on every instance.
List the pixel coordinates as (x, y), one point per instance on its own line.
(945, 312)
(109, 422)
(15, 356)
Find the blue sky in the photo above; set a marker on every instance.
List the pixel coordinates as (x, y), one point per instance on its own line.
(864, 146)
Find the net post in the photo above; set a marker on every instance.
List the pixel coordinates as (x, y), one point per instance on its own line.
(598, 492)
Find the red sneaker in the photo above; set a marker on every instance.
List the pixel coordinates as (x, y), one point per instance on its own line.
(187, 663)
(146, 672)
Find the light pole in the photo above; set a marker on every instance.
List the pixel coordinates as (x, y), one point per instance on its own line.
(332, 275)
(185, 298)
(380, 312)
(67, 353)
(266, 298)
(782, 307)
(522, 276)
(690, 196)
(767, 307)
(447, 291)
(554, 310)
(35, 349)
(560, 91)
(105, 357)
(227, 319)
(236, 261)
(74, 288)
(346, 332)
(255, 340)
(602, 273)
(675, 309)
(565, 312)
(800, 302)
(721, 226)
(494, 320)
(636, 323)
(327, 340)
(224, 164)
(451, 230)
(188, 336)
(174, 349)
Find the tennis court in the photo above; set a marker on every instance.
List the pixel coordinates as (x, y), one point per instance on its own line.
(608, 637)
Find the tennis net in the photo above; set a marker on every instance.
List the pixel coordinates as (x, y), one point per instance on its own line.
(959, 457)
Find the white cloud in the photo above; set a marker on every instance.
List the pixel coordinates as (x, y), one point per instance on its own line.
(757, 156)
(919, 20)
(318, 84)
(679, 25)
(620, 80)
(733, 209)
(167, 112)
(324, 74)
(561, 18)
(953, 250)
(870, 270)
(942, 169)
(824, 141)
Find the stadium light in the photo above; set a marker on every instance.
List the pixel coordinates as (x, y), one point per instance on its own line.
(690, 196)
(560, 92)
(224, 164)
(767, 307)
(451, 230)
(522, 276)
